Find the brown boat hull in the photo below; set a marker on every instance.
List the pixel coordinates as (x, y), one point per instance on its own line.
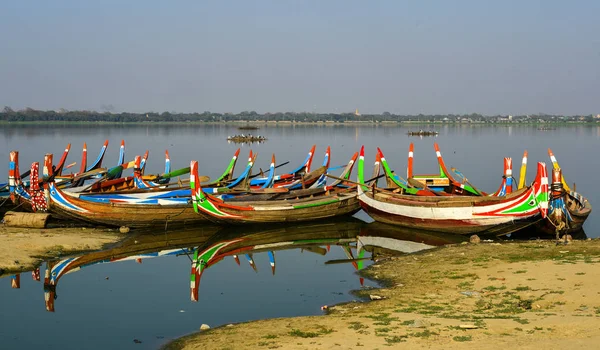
(270, 213)
(123, 214)
(579, 212)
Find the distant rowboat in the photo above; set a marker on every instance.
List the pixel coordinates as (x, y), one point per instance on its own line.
(246, 138)
(422, 133)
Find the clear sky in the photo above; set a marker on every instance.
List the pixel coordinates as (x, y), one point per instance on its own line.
(405, 57)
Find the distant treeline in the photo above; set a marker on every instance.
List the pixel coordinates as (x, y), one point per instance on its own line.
(32, 115)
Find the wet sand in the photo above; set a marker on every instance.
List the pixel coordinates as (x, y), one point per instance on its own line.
(531, 295)
(22, 249)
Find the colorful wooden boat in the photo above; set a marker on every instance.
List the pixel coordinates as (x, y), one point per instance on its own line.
(307, 178)
(567, 210)
(333, 202)
(100, 187)
(304, 168)
(447, 182)
(318, 188)
(21, 194)
(171, 211)
(442, 182)
(457, 214)
(153, 194)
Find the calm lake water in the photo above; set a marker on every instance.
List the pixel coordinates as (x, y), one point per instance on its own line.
(109, 304)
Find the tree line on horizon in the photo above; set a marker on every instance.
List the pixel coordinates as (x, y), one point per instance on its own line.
(62, 115)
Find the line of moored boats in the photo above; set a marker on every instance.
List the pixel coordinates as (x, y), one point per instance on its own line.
(446, 203)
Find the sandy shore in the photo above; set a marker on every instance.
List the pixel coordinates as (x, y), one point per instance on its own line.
(533, 295)
(21, 249)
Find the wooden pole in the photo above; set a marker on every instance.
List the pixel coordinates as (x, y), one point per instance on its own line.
(31, 220)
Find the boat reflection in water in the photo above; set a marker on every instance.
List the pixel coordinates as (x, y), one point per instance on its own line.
(134, 247)
(207, 246)
(15, 280)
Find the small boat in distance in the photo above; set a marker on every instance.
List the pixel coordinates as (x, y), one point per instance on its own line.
(423, 133)
(246, 138)
(248, 127)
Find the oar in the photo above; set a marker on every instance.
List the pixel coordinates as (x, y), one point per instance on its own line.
(437, 193)
(174, 173)
(90, 173)
(277, 166)
(465, 180)
(354, 182)
(345, 261)
(413, 183)
(267, 190)
(25, 174)
(199, 179)
(421, 186)
(316, 250)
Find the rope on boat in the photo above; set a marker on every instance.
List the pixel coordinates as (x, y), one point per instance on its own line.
(188, 255)
(509, 177)
(4, 201)
(557, 190)
(562, 226)
(169, 217)
(19, 205)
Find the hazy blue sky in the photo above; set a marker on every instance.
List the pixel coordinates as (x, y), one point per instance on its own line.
(407, 57)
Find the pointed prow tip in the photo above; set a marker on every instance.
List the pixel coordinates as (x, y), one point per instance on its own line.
(193, 169)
